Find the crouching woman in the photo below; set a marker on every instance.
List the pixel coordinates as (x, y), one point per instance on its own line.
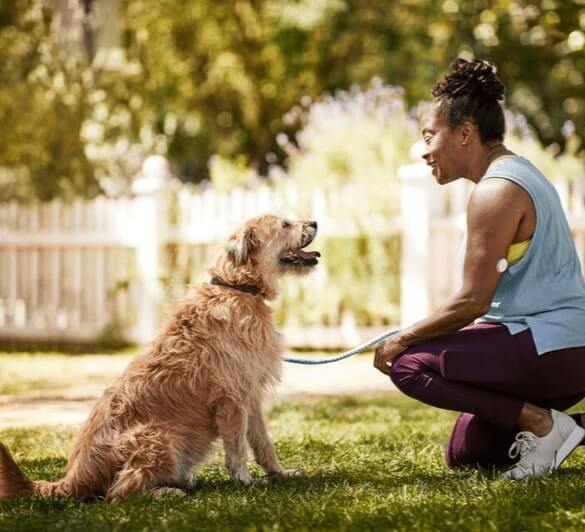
(508, 349)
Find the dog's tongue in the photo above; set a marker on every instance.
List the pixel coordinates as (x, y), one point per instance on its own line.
(308, 254)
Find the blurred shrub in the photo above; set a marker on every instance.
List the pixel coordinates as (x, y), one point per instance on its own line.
(226, 174)
(357, 137)
(358, 276)
(349, 146)
(42, 104)
(68, 129)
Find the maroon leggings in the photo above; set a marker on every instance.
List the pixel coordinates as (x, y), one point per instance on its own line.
(488, 374)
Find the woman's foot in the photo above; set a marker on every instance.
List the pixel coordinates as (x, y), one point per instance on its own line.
(539, 455)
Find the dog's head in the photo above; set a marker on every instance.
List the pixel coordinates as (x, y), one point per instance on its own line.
(274, 244)
(267, 247)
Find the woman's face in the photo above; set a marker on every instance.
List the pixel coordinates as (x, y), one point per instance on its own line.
(445, 152)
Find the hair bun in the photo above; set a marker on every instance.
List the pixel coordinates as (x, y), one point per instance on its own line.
(470, 78)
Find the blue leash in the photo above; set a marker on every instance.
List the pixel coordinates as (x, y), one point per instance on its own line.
(347, 354)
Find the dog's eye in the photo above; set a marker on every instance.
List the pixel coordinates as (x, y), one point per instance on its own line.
(285, 224)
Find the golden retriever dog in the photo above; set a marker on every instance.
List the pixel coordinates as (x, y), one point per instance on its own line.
(203, 378)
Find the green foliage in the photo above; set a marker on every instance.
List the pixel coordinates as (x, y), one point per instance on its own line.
(202, 78)
(42, 106)
(64, 125)
(226, 174)
(358, 136)
(372, 462)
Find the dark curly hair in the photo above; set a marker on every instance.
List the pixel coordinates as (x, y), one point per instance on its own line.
(472, 92)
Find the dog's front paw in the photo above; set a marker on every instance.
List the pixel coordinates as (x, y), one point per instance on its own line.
(166, 491)
(283, 473)
(243, 477)
(290, 473)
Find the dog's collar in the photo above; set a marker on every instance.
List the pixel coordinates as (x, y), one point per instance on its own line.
(248, 288)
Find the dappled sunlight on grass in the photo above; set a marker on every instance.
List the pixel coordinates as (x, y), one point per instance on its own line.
(369, 461)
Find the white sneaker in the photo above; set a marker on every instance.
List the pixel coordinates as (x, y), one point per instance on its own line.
(539, 456)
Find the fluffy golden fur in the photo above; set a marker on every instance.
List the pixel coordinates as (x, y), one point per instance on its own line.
(204, 377)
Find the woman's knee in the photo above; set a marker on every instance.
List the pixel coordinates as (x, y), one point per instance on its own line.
(400, 371)
(457, 453)
(477, 443)
(405, 370)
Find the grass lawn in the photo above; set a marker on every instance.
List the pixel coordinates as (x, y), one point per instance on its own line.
(372, 462)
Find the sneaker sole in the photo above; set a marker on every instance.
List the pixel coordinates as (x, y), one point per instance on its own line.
(568, 446)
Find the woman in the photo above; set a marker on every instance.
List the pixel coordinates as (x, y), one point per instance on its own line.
(522, 361)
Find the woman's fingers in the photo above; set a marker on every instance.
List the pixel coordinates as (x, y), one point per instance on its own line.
(386, 352)
(381, 359)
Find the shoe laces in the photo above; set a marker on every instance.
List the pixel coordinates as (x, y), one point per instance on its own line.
(523, 443)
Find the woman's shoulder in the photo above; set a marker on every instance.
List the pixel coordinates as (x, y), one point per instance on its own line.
(522, 174)
(511, 166)
(498, 198)
(495, 185)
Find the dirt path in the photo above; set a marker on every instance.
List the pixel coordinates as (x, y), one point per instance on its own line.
(351, 376)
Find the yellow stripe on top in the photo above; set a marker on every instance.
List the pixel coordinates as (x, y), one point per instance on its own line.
(517, 251)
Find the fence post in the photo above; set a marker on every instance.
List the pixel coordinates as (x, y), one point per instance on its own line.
(150, 215)
(415, 204)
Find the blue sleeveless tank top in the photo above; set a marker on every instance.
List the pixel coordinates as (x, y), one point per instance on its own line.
(544, 291)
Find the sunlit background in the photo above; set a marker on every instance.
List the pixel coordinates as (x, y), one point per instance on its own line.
(134, 135)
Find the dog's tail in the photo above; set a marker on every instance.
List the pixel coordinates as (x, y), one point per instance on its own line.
(13, 482)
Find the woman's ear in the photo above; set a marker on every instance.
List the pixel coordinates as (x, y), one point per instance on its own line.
(468, 131)
(241, 245)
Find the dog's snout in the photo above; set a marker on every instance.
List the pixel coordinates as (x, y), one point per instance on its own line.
(313, 224)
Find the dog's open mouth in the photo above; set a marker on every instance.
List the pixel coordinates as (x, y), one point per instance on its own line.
(299, 257)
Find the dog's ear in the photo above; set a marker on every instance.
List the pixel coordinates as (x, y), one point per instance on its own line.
(241, 245)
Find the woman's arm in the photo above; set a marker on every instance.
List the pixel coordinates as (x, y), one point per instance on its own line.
(495, 211)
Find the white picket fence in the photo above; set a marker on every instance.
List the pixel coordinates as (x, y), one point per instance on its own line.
(60, 265)
(94, 269)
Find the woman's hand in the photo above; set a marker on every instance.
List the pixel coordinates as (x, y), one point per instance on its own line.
(387, 351)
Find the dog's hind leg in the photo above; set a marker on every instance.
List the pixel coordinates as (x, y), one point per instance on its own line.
(147, 462)
(232, 422)
(133, 480)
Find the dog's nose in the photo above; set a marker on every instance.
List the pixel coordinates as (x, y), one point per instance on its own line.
(313, 225)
